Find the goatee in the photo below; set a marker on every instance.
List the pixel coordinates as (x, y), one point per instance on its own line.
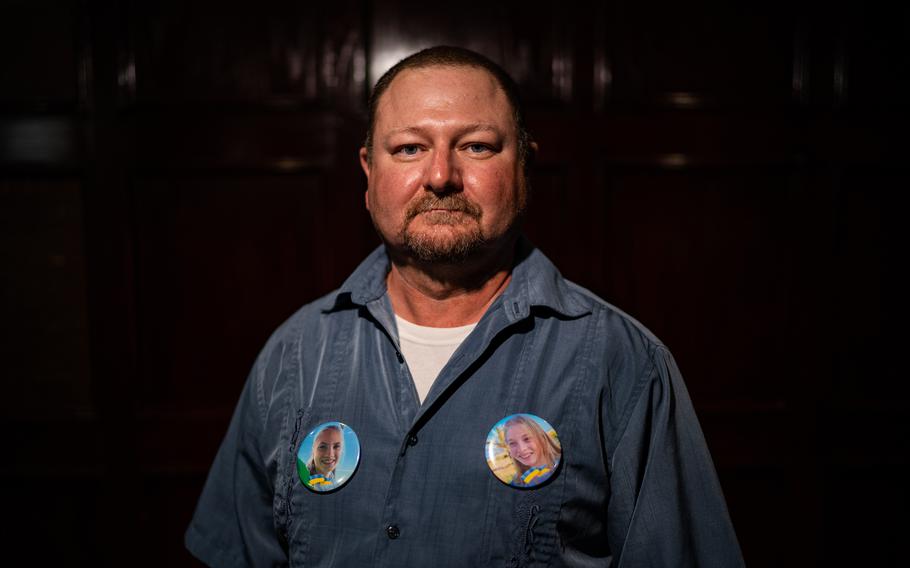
(444, 210)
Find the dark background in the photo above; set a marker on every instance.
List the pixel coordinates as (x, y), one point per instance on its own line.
(176, 178)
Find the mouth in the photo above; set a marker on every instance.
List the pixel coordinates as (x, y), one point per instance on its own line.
(444, 217)
(444, 211)
(450, 205)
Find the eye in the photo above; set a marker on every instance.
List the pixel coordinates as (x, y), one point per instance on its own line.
(477, 148)
(408, 150)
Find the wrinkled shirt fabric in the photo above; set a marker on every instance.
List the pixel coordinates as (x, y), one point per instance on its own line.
(636, 486)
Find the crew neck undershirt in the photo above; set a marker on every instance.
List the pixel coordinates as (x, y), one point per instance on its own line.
(427, 350)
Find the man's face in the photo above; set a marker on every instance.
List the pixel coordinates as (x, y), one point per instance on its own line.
(444, 179)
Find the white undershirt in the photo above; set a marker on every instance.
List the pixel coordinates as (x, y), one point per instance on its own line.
(427, 350)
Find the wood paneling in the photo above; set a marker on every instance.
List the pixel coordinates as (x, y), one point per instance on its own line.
(872, 70)
(277, 142)
(869, 287)
(536, 46)
(177, 178)
(868, 518)
(65, 513)
(735, 229)
(703, 53)
(220, 263)
(40, 58)
(44, 315)
(282, 53)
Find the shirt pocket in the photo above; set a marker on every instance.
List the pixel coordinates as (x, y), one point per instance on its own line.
(523, 528)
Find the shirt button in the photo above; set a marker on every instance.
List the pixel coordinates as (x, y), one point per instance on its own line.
(412, 440)
(392, 531)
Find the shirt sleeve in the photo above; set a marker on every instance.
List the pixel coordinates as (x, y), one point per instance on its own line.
(666, 506)
(234, 521)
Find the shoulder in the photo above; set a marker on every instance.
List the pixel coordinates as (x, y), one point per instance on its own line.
(616, 333)
(621, 352)
(619, 337)
(277, 365)
(315, 319)
(310, 319)
(627, 359)
(304, 319)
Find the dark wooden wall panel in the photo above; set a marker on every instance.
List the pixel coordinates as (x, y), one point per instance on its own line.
(564, 223)
(40, 53)
(703, 53)
(49, 522)
(44, 312)
(536, 46)
(872, 70)
(171, 497)
(245, 141)
(220, 263)
(283, 53)
(866, 528)
(870, 287)
(865, 419)
(177, 178)
(735, 230)
(769, 490)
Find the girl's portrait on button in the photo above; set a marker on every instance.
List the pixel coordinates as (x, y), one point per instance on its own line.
(523, 450)
(328, 456)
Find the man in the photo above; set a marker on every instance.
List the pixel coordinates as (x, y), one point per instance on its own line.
(451, 326)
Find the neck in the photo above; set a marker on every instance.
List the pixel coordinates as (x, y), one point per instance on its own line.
(448, 295)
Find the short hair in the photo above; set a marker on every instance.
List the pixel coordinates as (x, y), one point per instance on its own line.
(448, 56)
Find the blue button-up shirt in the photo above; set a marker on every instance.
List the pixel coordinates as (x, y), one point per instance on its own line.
(635, 486)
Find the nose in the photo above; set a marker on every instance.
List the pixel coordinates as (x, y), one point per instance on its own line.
(443, 173)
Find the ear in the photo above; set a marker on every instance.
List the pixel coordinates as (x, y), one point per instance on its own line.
(365, 162)
(532, 153)
(365, 166)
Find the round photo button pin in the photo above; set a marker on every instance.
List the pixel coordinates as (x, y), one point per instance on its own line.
(328, 457)
(523, 450)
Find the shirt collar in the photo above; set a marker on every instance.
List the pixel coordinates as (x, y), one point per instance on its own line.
(536, 282)
(367, 282)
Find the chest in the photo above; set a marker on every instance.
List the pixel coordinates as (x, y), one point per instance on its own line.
(423, 490)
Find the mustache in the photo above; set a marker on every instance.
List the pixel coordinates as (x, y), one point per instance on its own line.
(450, 202)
